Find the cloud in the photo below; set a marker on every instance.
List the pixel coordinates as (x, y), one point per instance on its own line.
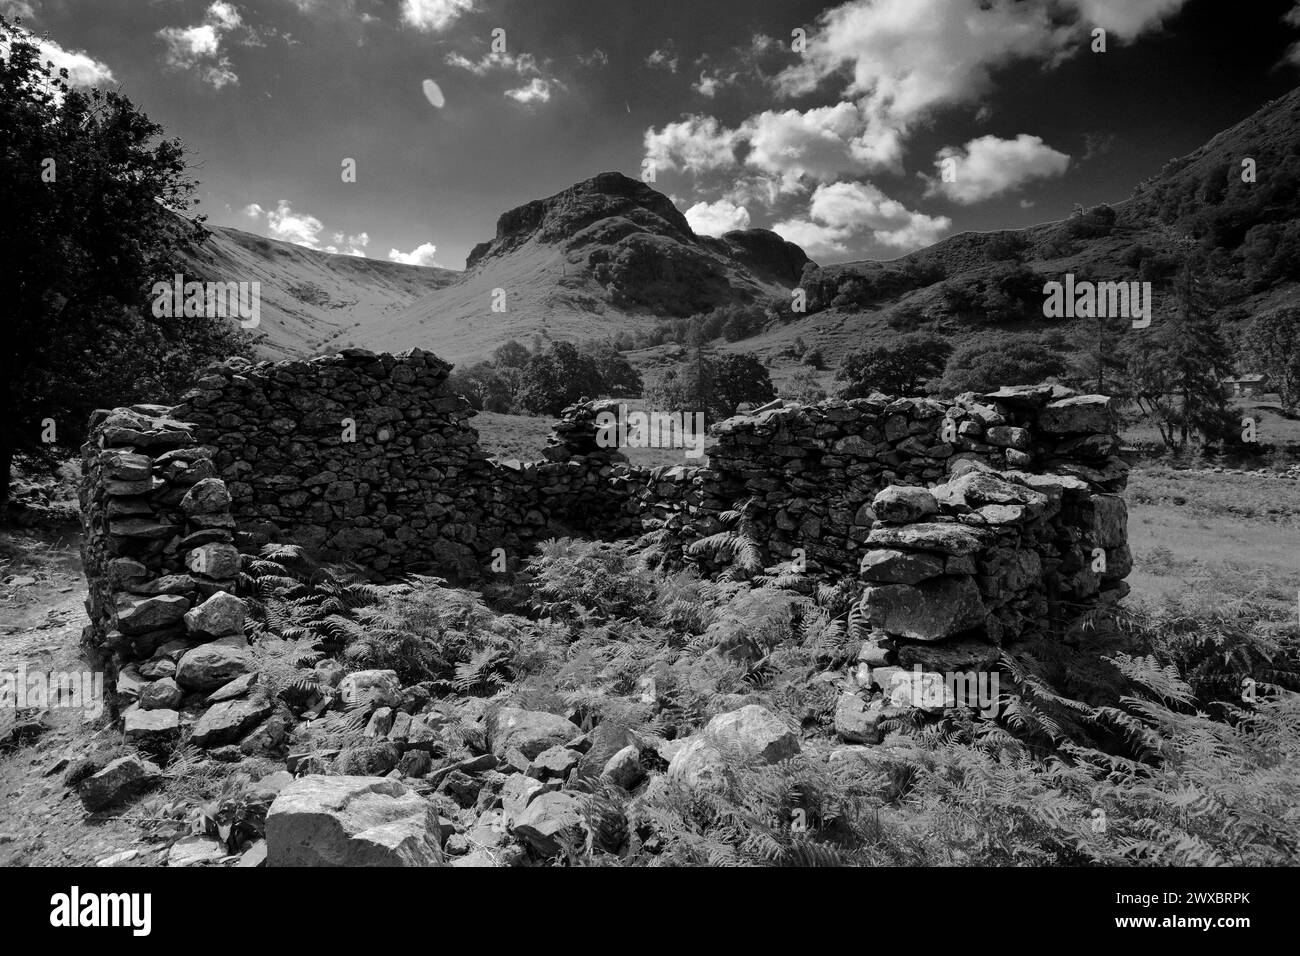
(303, 229)
(696, 144)
(818, 241)
(989, 166)
(354, 245)
(664, 59)
(539, 87)
(709, 84)
(434, 16)
(421, 255)
(820, 143)
(1127, 19)
(536, 90)
(842, 213)
(83, 69)
(715, 218)
(17, 8)
(1292, 19)
(597, 57)
(199, 48)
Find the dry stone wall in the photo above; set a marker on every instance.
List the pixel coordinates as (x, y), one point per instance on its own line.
(972, 523)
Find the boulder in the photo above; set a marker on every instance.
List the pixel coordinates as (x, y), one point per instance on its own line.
(854, 721)
(931, 536)
(900, 504)
(1082, 413)
(152, 613)
(162, 694)
(118, 782)
(554, 763)
(531, 731)
(624, 768)
(379, 687)
(228, 721)
(206, 497)
(218, 616)
(548, 820)
(214, 665)
(351, 821)
(887, 566)
(150, 727)
(751, 734)
(929, 611)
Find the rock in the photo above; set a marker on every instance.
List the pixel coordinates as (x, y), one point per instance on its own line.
(381, 721)
(380, 687)
(854, 722)
(214, 665)
(130, 682)
(152, 614)
(553, 763)
(929, 611)
(206, 497)
(351, 821)
(517, 792)
(888, 566)
(150, 727)
(218, 616)
(531, 731)
(624, 768)
(1109, 519)
(372, 761)
(750, 734)
(415, 763)
(1083, 413)
(118, 782)
(1006, 436)
(236, 688)
(195, 851)
(949, 656)
(902, 505)
(932, 536)
(162, 694)
(157, 668)
(219, 561)
(254, 856)
(228, 721)
(549, 820)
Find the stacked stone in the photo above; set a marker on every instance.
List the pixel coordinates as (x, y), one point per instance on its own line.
(814, 469)
(957, 571)
(160, 560)
(357, 455)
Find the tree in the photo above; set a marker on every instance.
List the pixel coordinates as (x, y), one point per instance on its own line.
(512, 354)
(898, 369)
(1177, 365)
(617, 375)
(718, 386)
(740, 379)
(557, 378)
(1273, 347)
(90, 191)
(989, 364)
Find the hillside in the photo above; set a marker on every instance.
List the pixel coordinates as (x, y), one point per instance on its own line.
(311, 301)
(1249, 232)
(604, 255)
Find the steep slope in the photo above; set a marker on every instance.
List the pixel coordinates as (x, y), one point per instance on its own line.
(1248, 231)
(606, 254)
(311, 301)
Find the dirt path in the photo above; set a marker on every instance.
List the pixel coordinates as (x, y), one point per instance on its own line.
(42, 822)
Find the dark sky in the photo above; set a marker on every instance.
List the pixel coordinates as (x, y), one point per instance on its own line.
(839, 147)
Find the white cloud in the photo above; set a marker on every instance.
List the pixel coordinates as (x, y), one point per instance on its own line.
(709, 84)
(199, 48)
(820, 143)
(434, 16)
(819, 241)
(1127, 19)
(83, 69)
(597, 57)
(536, 90)
(664, 59)
(539, 87)
(862, 207)
(899, 60)
(304, 229)
(17, 8)
(696, 144)
(989, 166)
(421, 255)
(349, 245)
(1292, 19)
(715, 218)
(847, 212)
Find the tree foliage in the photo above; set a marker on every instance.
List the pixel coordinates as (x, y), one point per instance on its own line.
(902, 368)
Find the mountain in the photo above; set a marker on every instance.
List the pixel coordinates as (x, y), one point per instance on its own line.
(973, 285)
(311, 301)
(607, 254)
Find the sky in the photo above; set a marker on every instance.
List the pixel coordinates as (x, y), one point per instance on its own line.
(859, 130)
